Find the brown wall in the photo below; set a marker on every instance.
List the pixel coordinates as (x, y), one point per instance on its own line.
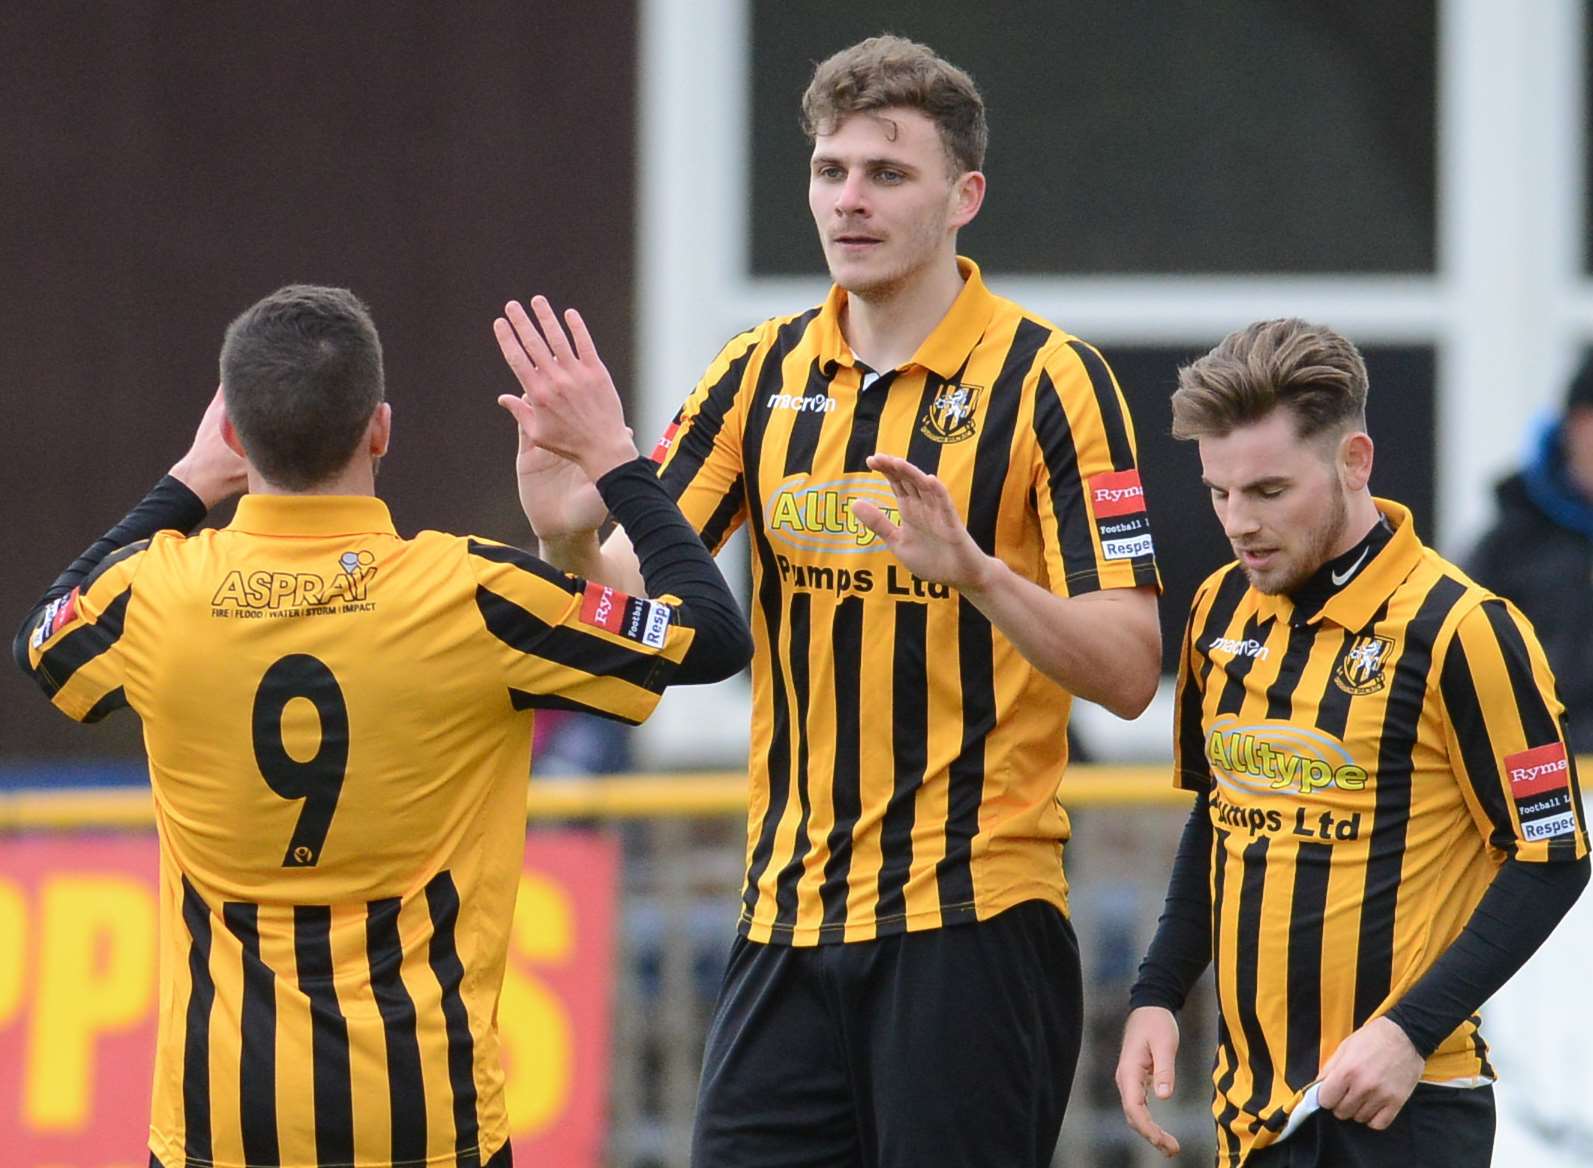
(162, 166)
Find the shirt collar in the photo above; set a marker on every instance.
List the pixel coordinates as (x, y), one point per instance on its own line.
(1354, 606)
(944, 350)
(312, 515)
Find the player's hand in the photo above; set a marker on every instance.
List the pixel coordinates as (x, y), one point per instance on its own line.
(211, 469)
(931, 541)
(1150, 1042)
(558, 499)
(569, 406)
(1371, 1074)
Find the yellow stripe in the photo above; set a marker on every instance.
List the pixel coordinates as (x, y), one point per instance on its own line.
(655, 796)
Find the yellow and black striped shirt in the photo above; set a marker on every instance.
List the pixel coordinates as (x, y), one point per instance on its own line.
(1369, 767)
(338, 724)
(905, 757)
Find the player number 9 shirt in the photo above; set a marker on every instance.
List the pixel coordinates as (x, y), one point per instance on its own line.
(338, 724)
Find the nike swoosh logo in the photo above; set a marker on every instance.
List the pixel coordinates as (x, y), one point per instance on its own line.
(1340, 579)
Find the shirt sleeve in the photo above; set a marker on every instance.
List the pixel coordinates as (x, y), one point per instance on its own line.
(699, 454)
(74, 647)
(564, 643)
(1505, 730)
(1093, 516)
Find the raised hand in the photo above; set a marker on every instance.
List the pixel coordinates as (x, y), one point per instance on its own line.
(570, 406)
(1150, 1044)
(931, 541)
(211, 469)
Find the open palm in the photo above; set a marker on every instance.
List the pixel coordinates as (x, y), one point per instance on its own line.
(931, 541)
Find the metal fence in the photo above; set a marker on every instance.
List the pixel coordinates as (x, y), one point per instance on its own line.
(682, 841)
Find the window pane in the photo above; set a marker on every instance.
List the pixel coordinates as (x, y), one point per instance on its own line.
(1144, 136)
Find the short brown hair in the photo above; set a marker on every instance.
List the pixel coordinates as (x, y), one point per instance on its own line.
(301, 373)
(886, 71)
(1315, 373)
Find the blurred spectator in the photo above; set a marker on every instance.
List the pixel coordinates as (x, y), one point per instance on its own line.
(1539, 551)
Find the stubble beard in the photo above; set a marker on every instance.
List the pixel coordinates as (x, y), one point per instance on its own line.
(1318, 551)
(921, 245)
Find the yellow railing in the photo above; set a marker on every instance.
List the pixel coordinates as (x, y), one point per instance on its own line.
(657, 796)
(599, 797)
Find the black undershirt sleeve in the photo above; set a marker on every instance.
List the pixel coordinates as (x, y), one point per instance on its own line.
(674, 560)
(169, 506)
(1515, 916)
(1181, 948)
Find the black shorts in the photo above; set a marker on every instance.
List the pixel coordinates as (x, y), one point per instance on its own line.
(502, 1158)
(954, 1048)
(1441, 1127)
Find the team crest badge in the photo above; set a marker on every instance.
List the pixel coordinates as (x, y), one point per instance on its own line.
(950, 417)
(1360, 670)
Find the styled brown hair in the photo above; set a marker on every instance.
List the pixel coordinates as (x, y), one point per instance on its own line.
(886, 71)
(1310, 370)
(301, 373)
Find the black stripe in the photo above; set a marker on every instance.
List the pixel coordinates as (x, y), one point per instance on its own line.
(257, 1068)
(1565, 849)
(524, 560)
(1459, 690)
(1333, 707)
(442, 899)
(975, 637)
(82, 645)
(1480, 1048)
(909, 756)
(522, 699)
(770, 609)
(694, 441)
(334, 1106)
(1537, 721)
(785, 887)
(1313, 864)
(1230, 590)
(115, 700)
(1280, 694)
(846, 646)
(1396, 749)
(589, 653)
(406, 1086)
(126, 552)
(1193, 768)
(922, 450)
(1246, 974)
(1054, 437)
(1239, 665)
(1117, 443)
(730, 505)
(196, 1034)
(1227, 1052)
(803, 443)
(862, 439)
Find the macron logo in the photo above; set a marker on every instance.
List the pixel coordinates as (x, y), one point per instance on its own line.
(1248, 648)
(821, 403)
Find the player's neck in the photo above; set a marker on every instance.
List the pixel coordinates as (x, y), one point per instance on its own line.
(357, 478)
(885, 329)
(1363, 516)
